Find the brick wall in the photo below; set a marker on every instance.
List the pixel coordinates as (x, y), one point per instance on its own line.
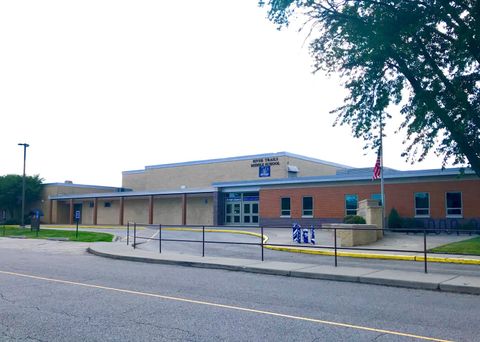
(329, 201)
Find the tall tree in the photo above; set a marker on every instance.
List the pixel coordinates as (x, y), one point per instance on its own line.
(421, 54)
(11, 193)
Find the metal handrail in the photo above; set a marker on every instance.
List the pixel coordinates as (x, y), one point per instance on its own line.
(262, 244)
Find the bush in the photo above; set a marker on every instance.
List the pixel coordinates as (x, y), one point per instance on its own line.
(394, 219)
(354, 219)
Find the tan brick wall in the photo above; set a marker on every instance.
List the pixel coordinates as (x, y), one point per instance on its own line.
(308, 168)
(108, 215)
(203, 175)
(136, 210)
(58, 212)
(200, 210)
(135, 181)
(167, 210)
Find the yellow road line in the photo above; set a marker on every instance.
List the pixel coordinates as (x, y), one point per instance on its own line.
(231, 307)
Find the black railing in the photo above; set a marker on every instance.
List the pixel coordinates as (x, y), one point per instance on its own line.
(158, 229)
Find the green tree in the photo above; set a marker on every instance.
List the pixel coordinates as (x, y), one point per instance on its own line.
(11, 193)
(421, 54)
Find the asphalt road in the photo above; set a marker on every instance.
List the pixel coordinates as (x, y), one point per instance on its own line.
(65, 294)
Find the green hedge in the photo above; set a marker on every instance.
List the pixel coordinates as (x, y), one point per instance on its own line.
(354, 219)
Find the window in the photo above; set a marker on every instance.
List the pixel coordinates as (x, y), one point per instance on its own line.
(107, 205)
(454, 204)
(285, 207)
(307, 209)
(377, 197)
(422, 204)
(351, 204)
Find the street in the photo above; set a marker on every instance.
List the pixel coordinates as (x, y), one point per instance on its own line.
(65, 294)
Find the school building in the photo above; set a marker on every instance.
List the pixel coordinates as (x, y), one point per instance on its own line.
(274, 189)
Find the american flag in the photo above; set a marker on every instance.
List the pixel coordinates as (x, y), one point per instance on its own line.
(377, 169)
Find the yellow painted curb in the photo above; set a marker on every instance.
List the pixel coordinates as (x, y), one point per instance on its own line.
(449, 260)
(344, 254)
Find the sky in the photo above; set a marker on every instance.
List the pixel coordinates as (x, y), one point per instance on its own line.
(100, 87)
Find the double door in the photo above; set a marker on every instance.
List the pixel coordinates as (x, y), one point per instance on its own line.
(241, 212)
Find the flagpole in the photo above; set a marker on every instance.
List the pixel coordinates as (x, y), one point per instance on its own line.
(382, 184)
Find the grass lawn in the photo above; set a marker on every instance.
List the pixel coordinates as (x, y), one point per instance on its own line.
(51, 233)
(471, 246)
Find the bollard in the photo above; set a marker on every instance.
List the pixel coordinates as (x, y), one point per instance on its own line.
(134, 234)
(305, 235)
(261, 237)
(312, 235)
(128, 232)
(335, 244)
(203, 241)
(425, 249)
(160, 238)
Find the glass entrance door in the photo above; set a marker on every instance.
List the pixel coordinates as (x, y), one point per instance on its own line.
(250, 212)
(241, 208)
(232, 213)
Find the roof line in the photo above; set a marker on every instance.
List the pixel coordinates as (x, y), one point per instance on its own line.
(367, 176)
(239, 158)
(131, 194)
(88, 186)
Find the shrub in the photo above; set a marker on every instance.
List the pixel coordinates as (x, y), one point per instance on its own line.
(354, 219)
(394, 219)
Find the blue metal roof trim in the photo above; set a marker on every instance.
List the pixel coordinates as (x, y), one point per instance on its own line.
(240, 158)
(364, 175)
(132, 194)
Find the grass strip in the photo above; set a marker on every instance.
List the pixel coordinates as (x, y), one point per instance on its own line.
(9, 231)
(470, 246)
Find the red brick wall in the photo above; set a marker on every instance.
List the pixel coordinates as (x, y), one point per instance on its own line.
(329, 202)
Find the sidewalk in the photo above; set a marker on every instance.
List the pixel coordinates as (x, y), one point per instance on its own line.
(401, 242)
(416, 280)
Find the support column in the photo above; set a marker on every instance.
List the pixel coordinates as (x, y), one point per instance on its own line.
(70, 220)
(184, 209)
(150, 210)
(50, 211)
(122, 206)
(95, 211)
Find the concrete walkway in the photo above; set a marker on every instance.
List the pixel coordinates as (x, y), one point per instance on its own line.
(416, 280)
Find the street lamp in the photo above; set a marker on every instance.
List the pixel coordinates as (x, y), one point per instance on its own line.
(25, 145)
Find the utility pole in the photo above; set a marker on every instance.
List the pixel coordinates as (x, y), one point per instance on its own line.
(25, 145)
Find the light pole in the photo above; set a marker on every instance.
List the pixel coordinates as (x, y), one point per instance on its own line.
(25, 145)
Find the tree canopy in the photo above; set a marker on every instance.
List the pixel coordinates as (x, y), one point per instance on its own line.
(423, 55)
(11, 193)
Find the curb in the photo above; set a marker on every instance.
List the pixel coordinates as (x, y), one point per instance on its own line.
(377, 256)
(412, 280)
